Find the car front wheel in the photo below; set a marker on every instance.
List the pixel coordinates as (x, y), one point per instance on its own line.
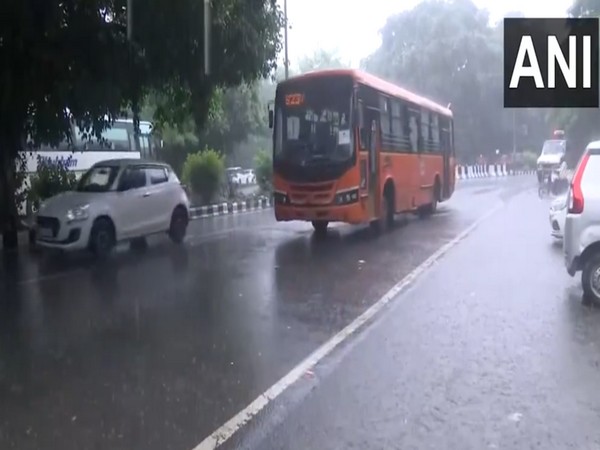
(179, 223)
(590, 278)
(102, 237)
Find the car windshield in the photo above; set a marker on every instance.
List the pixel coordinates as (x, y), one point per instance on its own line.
(98, 179)
(313, 122)
(553, 147)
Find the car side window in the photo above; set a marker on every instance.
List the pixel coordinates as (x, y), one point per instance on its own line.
(132, 178)
(157, 175)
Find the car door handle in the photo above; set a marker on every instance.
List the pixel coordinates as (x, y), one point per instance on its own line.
(146, 194)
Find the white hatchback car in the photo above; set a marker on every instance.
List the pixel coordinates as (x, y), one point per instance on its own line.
(115, 200)
(558, 215)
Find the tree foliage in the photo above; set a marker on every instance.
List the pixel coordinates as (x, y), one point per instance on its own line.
(581, 125)
(321, 59)
(63, 60)
(447, 51)
(203, 172)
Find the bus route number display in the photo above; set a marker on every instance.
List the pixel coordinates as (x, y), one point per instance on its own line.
(294, 99)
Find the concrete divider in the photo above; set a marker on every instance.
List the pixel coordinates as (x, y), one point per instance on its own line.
(220, 209)
(464, 172)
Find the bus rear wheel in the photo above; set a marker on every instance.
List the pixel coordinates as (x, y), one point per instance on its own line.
(320, 226)
(431, 208)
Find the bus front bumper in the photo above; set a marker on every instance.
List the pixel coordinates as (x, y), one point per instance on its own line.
(354, 213)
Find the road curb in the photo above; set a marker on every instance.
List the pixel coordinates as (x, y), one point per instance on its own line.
(464, 173)
(227, 208)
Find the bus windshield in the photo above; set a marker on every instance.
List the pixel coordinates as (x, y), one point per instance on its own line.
(116, 138)
(312, 123)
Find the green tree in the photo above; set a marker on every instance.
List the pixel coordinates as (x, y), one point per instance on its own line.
(321, 59)
(580, 124)
(447, 51)
(91, 74)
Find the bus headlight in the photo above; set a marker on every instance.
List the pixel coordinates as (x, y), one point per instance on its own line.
(78, 213)
(346, 197)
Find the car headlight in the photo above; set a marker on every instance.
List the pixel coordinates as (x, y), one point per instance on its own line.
(78, 213)
(346, 197)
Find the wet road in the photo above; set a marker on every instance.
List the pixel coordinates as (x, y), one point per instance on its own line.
(156, 350)
(490, 349)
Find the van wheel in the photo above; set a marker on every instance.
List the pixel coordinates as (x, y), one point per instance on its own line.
(102, 237)
(178, 227)
(590, 278)
(320, 226)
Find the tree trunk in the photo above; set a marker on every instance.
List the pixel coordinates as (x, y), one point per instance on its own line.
(9, 219)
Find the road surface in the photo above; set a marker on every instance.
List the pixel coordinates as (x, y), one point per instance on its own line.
(157, 350)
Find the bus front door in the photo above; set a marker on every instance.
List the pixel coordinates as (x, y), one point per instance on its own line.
(373, 167)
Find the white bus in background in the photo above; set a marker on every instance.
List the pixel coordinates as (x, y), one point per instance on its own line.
(83, 154)
(119, 143)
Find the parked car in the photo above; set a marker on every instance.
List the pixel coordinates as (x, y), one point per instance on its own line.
(558, 215)
(115, 200)
(247, 176)
(232, 173)
(237, 175)
(581, 242)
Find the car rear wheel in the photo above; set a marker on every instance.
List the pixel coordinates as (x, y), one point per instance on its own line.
(178, 227)
(590, 278)
(102, 237)
(431, 208)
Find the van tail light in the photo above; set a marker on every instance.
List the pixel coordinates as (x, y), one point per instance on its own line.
(576, 197)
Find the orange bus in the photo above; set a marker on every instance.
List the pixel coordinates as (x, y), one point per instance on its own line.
(350, 147)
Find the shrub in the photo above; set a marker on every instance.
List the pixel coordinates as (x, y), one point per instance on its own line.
(264, 171)
(203, 172)
(50, 179)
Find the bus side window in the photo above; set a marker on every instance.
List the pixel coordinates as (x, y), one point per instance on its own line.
(424, 141)
(414, 129)
(444, 134)
(385, 116)
(435, 133)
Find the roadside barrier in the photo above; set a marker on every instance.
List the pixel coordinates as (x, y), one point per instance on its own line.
(487, 171)
(224, 208)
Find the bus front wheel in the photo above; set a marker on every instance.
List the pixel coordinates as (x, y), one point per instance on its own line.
(320, 226)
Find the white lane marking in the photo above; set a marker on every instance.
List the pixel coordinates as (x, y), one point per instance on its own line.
(229, 428)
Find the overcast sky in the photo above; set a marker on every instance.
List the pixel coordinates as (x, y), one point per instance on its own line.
(351, 27)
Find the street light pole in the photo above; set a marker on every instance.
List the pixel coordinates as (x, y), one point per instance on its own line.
(135, 105)
(207, 33)
(129, 20)
(285, 35)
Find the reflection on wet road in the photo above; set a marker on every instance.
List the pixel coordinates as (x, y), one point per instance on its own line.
(492, 348)
(156, 350)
